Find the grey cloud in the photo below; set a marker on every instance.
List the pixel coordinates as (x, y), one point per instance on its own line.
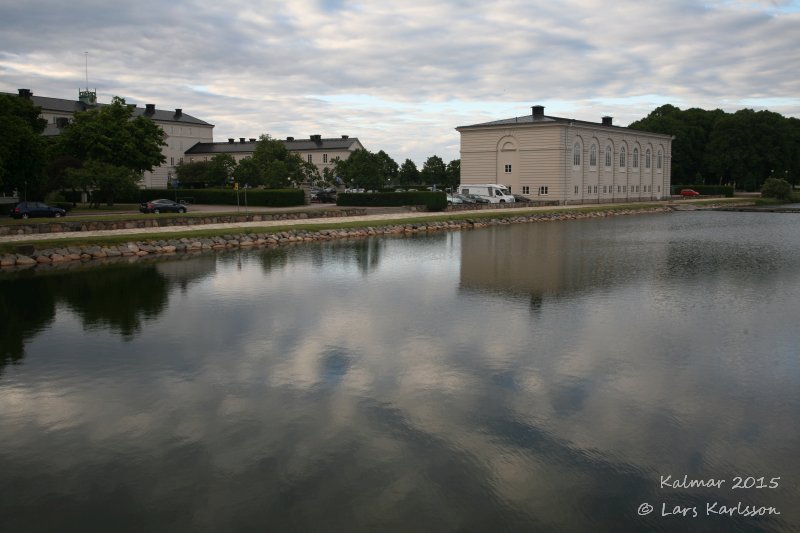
(262, 62)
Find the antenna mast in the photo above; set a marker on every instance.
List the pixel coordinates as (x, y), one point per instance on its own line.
(87, 70)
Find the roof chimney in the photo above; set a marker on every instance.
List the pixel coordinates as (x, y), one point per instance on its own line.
(608, 121)
(345, 136)
(316, 138)
(289, 138)
(231, 140)
(25, 93)
(150, 109)
(252, 139)
(537, 112)
(178, 112)
(241, 139)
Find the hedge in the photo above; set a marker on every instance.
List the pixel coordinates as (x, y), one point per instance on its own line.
(433, 201)
(255, 197)
(712, 190)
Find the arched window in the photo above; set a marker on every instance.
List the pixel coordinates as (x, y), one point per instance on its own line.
(608, 155)
(660, 160)
(635, 162)
(576, 155)
(647, 159)
(593, 156)
(622, 157)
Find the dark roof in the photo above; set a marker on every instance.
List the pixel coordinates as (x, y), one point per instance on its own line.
(73, 106)
(545, 119)
(294, 145)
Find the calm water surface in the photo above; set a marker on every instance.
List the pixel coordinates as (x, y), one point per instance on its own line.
(540, 377)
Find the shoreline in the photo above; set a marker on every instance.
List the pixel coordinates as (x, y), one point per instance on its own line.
(27, 255)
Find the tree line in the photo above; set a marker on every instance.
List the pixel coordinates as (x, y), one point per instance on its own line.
(742, 149)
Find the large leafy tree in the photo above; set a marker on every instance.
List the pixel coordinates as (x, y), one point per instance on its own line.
(104, 180)
(389, 168)
(110, 134)
(279, 168)
(408, 174)
(434, 171)
(453, 173)
(114, 147)
(362, 169)
(193, 173)
(220, 169)
(22, 148)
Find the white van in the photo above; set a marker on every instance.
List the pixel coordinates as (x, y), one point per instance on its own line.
(494, 192)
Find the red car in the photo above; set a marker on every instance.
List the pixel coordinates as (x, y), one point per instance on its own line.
(689, 192)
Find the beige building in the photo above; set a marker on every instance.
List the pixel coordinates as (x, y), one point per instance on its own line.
(183, 131)
(321, 152)
(571, 161)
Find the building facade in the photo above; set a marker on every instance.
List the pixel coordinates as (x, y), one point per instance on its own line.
(572, 161)
(316, 150)
(182, 131)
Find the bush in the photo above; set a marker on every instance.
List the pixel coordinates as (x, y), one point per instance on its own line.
(433, 201)
(711, 190)
(776, 188)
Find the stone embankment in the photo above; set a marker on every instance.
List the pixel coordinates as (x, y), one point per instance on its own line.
(29, 256)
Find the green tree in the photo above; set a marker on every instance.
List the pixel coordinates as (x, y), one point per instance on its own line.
(22, 147)
(220, 169)
(453, 173)
(776, 188)
(109, 140)
(248, 172)
(409, 174)
(193, 173)
(278, 167)
(110, 134)
(389, 168)
(434, 171)
(104, 180)
(362, 169)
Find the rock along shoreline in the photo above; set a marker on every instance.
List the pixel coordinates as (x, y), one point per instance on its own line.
(29, 256)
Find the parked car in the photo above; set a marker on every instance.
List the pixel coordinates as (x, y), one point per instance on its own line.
(454, 199)
(689, 192)
(162, 205)
(36, 209)
(523, 199)
(475, 199)
(323, 197)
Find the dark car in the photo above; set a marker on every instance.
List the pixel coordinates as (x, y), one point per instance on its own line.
(522, 199)
(36, 209)
(324, 197)
(162, 205)
(476, 199)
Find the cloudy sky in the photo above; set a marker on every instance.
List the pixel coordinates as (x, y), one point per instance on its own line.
(401, 76)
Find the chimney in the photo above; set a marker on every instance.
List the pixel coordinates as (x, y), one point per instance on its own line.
(345, 136)
(608, 121)
(316, 138)
(25, 93)
(150, 109)
(252, 139)
(289, 138)
(231, 140)
(241, 139)
(178, 112)
(538, 112)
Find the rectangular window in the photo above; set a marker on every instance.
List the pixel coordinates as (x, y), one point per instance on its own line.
(543, 190)
(172, 161)
(526, 189)
(324, 158)
(595, 189)
(508, 169)
(589, 190)
(619, 188)
(309, 158)
(576, 189)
